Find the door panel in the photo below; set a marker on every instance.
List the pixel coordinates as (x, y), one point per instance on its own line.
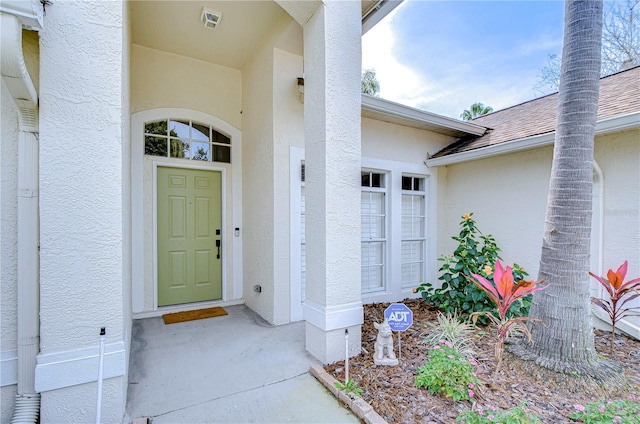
(189, 216)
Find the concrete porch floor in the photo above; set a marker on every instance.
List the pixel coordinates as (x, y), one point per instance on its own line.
(231, 369)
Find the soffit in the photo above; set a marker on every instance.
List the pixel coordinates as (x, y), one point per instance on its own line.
(175, 27)
(367, 5)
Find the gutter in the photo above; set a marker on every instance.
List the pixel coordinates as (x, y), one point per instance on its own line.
(18, 81)
(30, 13)
(376, 104)
(604, 126)
(377, 13)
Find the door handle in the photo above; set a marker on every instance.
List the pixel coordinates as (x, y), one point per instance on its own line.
(218, 246)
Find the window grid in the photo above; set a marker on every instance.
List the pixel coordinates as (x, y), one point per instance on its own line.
(373, 230)
(413, 232)
(186, 139)
(303, 243)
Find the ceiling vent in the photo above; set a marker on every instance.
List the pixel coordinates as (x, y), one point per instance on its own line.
(210, 18)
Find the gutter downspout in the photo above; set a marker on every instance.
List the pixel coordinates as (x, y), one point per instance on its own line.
(18, 81)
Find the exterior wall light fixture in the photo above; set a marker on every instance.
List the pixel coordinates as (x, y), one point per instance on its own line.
(301, 90)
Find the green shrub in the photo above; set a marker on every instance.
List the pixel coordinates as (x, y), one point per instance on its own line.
(622, 411)
(489, 414)
(476, 253)
(447, 372)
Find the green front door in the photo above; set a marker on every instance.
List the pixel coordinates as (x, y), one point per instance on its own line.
(189, 236)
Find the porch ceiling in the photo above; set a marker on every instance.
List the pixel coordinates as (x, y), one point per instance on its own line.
(175, 27)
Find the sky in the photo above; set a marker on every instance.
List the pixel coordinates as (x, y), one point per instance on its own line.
(443, 56)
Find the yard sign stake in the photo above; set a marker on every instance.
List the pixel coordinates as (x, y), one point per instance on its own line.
(399, 318)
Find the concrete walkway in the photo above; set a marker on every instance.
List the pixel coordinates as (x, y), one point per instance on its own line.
(230, 369)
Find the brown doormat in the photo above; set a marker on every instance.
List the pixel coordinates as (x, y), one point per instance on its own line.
(193, 315)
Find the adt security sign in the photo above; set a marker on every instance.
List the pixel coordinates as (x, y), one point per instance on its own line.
(399, 316)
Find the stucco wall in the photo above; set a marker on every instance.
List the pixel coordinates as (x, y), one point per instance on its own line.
(383, 140)
(288, 127)
(126, 191)
(82, 109)
(257, 198)
(619, 157)
(160, 79)
(259, 179)
(507, 195)
(8, 248)
(9, 210)
(77, 404)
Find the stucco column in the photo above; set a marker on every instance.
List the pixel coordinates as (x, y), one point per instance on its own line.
(332, 46)
(83, 193)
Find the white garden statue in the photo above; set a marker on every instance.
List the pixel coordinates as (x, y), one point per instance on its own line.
(384, 354)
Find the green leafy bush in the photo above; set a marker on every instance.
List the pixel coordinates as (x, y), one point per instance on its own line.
(447, 372)
(490, 414)
(622, 411)
(476, 253)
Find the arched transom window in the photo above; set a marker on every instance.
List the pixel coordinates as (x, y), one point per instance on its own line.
(186, 139)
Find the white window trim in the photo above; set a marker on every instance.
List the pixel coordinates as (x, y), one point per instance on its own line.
(190, 139)
(395, 171)
(137, 203)
(424, 238)
(385, 240)
(296, 157)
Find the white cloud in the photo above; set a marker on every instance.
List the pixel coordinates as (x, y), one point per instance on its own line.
(499, 75)
(398, 83)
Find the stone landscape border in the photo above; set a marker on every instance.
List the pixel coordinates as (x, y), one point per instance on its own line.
(358, 406)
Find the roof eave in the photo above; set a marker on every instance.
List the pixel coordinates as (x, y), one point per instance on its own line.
(377, 13)
(604, 126)
(386, 107)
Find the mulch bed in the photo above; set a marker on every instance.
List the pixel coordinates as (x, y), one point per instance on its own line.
(552, 396)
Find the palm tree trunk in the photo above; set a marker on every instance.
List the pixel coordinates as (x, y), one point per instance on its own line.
(566, 342)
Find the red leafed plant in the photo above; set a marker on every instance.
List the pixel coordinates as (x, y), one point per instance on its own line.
(503, 292)
(617, 289)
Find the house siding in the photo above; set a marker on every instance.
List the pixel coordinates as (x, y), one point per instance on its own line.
(511, 208)
(383, 140)
(618, 155)
(288, 128)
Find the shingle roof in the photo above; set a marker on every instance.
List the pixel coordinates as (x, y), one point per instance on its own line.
(619, 95)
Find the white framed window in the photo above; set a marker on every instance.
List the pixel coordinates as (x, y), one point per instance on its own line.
(186, 139)
(303, 244)
(414, 241)
(373, 220)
